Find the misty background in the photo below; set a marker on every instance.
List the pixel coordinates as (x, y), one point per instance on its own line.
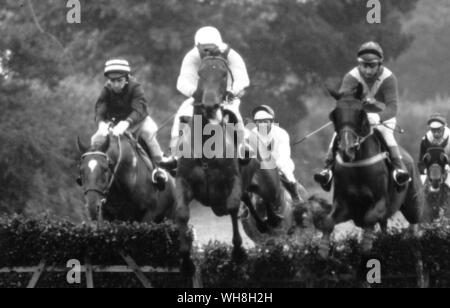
(51, 74)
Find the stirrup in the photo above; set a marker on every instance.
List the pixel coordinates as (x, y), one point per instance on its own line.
(401, 177)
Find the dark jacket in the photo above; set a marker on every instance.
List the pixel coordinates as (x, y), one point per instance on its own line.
(129, 105)
(387, 92)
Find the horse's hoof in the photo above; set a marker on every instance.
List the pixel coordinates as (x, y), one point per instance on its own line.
(239, 255)
(187, 268)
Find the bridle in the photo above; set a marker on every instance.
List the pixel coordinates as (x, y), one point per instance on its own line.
(113, 172)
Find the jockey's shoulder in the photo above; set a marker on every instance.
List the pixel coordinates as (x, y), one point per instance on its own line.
(279, 131)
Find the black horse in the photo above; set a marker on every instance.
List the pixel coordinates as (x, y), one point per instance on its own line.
(364, 190)
(118, 185)
(208, 173)
(436, 191)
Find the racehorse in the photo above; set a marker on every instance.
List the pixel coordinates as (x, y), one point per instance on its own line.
(260, 187)
(117, 183)
(364, 190)
(213, 179)
(436, 191)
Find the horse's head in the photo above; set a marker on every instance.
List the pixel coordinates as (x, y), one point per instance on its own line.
(96, 170)
(351, 122)
(213, 73)
(435, 161)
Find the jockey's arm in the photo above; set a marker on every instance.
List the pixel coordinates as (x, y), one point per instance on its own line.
(188, 79)
(239, 71)
(283, 150)
(389, 89)
(101, 107)
(138, 105)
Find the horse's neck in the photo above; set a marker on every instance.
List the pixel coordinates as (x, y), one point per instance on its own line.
(371, 147)
(123, 157)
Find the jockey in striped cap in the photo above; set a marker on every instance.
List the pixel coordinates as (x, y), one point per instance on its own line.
(122, 103)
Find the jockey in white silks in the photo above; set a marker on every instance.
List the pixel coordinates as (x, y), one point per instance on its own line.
(277, 141)
(209, 40)
(438, 135)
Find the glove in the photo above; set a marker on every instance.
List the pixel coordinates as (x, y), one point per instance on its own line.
(369, 100)
(121, 128)
(374, 118)
(103, 128)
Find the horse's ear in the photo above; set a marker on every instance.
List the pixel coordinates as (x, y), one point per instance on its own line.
(335, 94)
(332, 116)
(365, 124)
(426, 159)
(444, 158)
(359, 91)
(81, 147)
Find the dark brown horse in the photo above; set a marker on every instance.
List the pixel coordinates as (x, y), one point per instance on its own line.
(118, 184)
(437, 192)
(208, 174)
(262, 189)
(364, 190)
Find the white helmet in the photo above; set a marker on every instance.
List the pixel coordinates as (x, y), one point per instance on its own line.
(208, 35)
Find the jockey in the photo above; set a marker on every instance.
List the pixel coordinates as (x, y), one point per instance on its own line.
(380, 85)
(208, 41)
(122, 103)
(437, 136)
(277, 140)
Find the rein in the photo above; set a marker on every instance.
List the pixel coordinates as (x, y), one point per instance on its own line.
(365, 162)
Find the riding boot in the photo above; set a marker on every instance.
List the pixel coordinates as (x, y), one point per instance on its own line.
(159, 176)
(400, 174)
(325, 176)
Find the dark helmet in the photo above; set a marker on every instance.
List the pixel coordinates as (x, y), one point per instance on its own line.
(370, 52)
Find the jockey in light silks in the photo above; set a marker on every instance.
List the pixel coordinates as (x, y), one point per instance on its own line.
(380, 86)
(122, 103)
(277, 140)
(208, 42)
(438, 135)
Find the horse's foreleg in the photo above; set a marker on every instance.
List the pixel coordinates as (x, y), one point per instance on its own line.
(260, 224)
(239, 253)
(182, 215)
(233, 203)
(327, 227)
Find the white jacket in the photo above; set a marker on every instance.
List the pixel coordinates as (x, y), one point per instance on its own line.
(188, 78)
(281, 149)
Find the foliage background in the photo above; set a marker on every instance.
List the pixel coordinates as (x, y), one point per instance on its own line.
(51, 74)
